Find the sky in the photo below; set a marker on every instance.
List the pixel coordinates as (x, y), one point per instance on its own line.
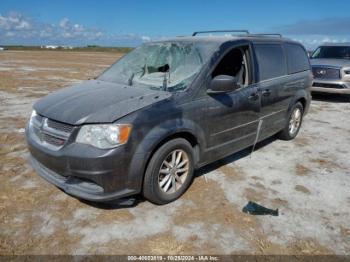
(132, 22)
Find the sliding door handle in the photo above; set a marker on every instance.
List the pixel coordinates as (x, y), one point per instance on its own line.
(253, 96)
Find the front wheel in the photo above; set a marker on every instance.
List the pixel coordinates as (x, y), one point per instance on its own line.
(293, 124)
(169, 172)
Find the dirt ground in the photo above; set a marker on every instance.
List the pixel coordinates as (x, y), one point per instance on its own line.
(307, 179)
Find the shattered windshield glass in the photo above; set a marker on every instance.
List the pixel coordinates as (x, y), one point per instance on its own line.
(164, 65)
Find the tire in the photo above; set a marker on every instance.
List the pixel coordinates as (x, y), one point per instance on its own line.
(160, 170)
(289, 133)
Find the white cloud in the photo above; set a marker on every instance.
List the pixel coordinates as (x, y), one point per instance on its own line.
(146, 38)
(313, 41)
(15, 21)
(64, 22)
(10, 34)
(23, 25)
(16, 28)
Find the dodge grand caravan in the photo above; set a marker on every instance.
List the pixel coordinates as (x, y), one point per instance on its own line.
(165, 109)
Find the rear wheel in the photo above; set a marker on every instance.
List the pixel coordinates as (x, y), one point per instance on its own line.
(293, 124)
(169, 172)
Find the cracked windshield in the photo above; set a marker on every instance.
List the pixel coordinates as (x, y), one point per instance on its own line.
(164, 66)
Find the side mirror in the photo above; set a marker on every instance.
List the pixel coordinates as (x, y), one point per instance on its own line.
(223, 84)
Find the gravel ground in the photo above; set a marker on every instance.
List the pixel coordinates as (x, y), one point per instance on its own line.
(307, 179)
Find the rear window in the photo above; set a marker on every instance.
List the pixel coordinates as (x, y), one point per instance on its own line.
(297, 59)
(271, 61)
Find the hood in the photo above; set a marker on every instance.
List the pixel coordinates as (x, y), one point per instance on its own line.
(96, 102)
(330, 62)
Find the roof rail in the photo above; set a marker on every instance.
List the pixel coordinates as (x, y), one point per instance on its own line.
(221, 31)
(272, 34)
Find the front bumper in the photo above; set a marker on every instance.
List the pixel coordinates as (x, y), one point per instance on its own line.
(330, 86)
(76, 187)
(87, 172)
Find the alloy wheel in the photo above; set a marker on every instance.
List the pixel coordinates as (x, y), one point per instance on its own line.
(295, 121)
(173, 171)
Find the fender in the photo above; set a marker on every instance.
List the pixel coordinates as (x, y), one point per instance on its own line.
(154, 138)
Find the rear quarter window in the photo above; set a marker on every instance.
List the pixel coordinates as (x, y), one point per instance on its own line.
(271, 61)
(297, 58)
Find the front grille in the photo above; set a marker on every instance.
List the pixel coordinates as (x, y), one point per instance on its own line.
(51, 132)
(53, 140)
(60, 126)
(326, 72)
(326, 85)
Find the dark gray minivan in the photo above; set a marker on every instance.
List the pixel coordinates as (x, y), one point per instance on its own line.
(165, 109)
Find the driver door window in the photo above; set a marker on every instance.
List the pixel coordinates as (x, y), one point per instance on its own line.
(236, 64)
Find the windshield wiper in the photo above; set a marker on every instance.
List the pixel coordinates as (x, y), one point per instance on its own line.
(130, 79)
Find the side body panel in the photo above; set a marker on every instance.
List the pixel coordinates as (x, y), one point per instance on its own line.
(278, 95)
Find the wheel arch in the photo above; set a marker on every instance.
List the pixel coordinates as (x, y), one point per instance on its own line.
(190, 137)
(302, 100)
(302, 97)
(160, 135)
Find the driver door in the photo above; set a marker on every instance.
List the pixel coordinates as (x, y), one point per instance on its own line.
(233, 117)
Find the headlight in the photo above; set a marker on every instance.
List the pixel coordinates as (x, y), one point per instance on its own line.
(347, 72)
(104, 136)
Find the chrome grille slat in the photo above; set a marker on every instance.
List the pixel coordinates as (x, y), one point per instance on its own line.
(50, 132)
(60, 126)
(53, 140)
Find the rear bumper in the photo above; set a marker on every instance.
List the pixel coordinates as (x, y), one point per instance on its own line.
(330, 86)
(308, 102)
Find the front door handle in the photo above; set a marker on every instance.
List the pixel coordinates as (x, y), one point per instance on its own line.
(266, 92)
(253, 96)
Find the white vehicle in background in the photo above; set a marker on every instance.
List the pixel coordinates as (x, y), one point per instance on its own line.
(331, 68)
(2, 48)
